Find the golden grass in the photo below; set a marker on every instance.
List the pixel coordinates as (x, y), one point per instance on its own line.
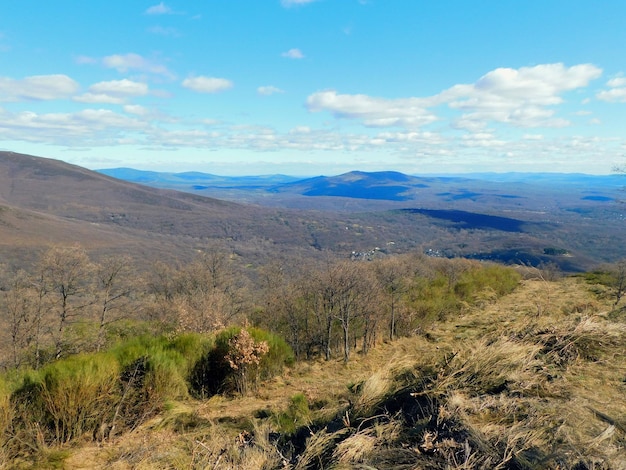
(506, 385)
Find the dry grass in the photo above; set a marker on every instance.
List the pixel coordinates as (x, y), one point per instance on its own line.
(499, 387)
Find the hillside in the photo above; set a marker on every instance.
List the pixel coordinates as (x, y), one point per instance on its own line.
(572, 227)
(534, 380)
(47, 202)
(511, 217)
(430, 362)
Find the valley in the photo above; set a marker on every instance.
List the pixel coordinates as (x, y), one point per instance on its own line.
(367, 320)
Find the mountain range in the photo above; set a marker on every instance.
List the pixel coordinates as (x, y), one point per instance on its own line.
(390, 186)
(572, 221)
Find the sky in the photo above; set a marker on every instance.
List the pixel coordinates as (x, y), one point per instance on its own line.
(316, 87)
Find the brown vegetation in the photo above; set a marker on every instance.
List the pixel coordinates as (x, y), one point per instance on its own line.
(474, 375)
(231, 355)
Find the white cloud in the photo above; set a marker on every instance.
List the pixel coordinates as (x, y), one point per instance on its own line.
(37, 88)
(207, 84)
(616, 82)
(113, 92)
(293, 54)
(300, 130)
(148, 114)
(540, 84)
(481, 139)
(98, 98)
(268, 90)
(617, 93)
(123, 87)
(375, 112)
(614, 95)
(519, 97)
(86, 127)
(210, 122)
(522, 97)
(126, 62)
(160, 9)
(136, 110)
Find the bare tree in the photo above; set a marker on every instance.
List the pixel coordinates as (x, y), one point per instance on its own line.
(66, 273)
(114, 285)
(201, 296)
(25, 301)
(617, 271)
(19, 318)
(339, 295)
(391, 276)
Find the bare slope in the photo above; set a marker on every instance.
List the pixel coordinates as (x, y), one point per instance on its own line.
(56, 202)
(47, 202)
(533, 380)
(110, 214)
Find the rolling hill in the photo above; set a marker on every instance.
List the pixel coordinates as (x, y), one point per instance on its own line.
(45, 202)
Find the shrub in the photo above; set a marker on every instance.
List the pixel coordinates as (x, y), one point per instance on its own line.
(214, 374)
(166, 364)
(495, 278)
(127, 330)
(68, 398)
(297, 414)
(431, 300)
(278, 356)
(244, 356)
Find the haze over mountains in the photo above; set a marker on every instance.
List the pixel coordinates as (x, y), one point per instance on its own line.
(574, 221)
(487, 188)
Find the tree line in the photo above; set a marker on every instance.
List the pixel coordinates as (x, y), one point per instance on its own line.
(67, 302)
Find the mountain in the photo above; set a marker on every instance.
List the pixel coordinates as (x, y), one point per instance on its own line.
(194, 180)
(511, 217)
(363, 191)
(384, 185)
(45, 202)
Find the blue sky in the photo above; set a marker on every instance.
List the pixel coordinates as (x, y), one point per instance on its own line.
(308, 87)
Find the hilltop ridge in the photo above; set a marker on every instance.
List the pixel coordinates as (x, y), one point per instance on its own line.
(574, 227)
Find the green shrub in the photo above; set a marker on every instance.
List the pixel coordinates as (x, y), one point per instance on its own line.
(213, 374)
(497, 279)
(87, 393)
(297, 415)
(165, 363)
(279, 355)
(431, 299)
(69, 398)
(127, 330)
(192, 346)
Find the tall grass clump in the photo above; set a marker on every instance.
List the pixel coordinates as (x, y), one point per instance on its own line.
(69, 398)
(162, 365)
(296, 415)
(486, 283)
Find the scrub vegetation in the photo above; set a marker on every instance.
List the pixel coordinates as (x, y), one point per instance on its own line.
(398, 362)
